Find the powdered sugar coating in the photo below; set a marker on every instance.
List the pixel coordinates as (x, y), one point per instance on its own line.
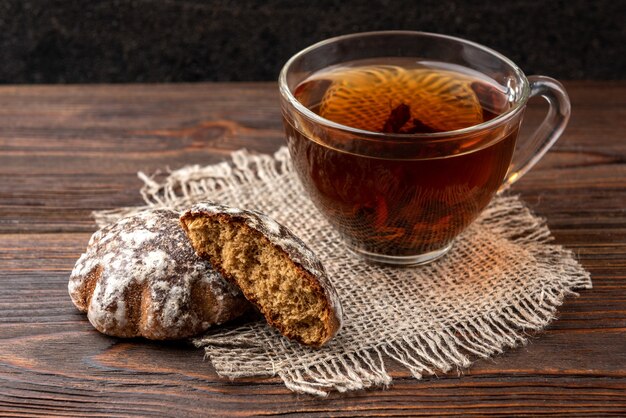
(141, 277)
(281, 237)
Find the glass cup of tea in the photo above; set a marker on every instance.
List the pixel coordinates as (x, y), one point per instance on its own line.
(402, 138)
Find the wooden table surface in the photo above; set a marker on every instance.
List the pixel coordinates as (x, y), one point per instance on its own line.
(68, 150)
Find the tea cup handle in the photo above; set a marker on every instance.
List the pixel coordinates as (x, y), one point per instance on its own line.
(530, 150)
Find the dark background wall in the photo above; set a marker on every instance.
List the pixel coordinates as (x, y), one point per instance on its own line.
(54, 41)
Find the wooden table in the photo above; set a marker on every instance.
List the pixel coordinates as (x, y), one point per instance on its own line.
(68, 150)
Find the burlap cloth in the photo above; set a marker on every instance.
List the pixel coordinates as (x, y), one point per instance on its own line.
(501, 279)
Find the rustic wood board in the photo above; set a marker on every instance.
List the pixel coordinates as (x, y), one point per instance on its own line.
(68, 150)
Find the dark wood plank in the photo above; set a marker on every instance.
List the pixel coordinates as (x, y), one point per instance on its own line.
(68, 150)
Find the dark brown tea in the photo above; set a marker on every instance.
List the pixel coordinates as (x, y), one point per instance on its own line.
(397, 194)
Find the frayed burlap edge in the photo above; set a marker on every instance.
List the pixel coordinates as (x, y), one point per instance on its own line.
(439, 350)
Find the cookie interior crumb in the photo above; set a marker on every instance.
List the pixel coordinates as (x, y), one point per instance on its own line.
(286, 294)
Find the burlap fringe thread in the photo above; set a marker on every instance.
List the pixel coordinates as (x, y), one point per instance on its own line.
(442, 348)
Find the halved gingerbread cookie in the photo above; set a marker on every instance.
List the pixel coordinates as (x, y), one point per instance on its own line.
(273, 268)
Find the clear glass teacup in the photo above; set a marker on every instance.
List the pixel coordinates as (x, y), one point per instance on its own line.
(401, 183)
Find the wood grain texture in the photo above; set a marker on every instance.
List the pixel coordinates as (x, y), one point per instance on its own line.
(68, 150)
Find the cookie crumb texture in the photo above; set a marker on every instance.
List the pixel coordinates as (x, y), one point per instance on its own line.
(140, 277)
(273, 268)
